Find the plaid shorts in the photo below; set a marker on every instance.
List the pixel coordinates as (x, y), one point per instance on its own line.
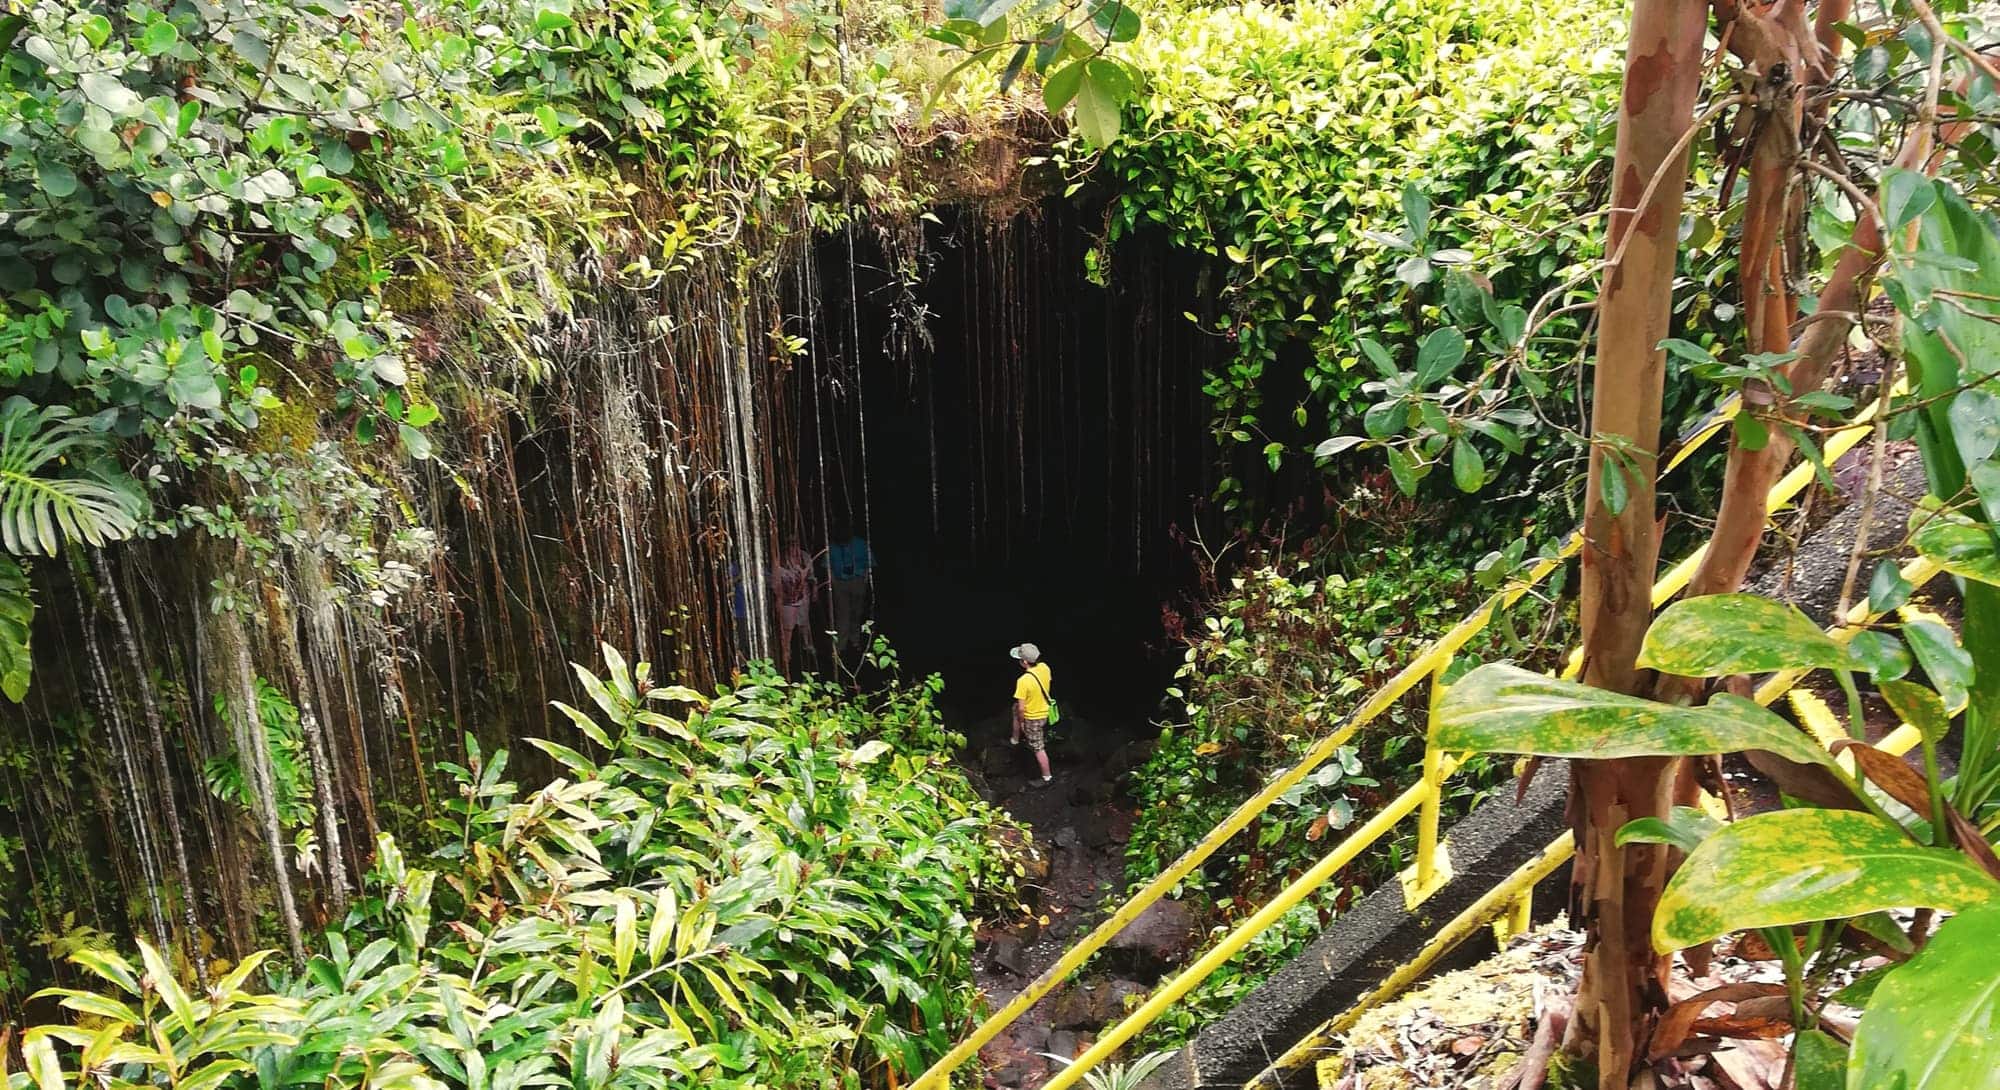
(1036, 732)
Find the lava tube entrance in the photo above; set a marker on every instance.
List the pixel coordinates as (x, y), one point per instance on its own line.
(1035, 444)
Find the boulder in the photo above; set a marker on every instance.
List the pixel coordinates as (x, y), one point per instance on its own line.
(1089, 1004)
(1063, 1043)
(1008, 952)
(1158, 940)
(1128, 757)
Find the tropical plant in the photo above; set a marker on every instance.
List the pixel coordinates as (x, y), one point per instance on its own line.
(1066, 42)
(1815, 880)
(1308, 148)
(291, 769)
(733, 891)
(57, 486)
(1793, 60)
(90, 504)
(1122, 1076)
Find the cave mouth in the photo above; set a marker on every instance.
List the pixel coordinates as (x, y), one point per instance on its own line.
(1035, 445)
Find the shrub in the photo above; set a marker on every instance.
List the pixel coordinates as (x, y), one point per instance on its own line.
(754, 893)
(1316, 147)
(1292, 648)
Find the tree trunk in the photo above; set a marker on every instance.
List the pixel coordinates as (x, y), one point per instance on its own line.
(1623, 985)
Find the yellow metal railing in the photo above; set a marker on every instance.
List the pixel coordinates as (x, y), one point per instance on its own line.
(1432, 865)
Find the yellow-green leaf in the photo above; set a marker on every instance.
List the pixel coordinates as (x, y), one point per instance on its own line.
(1917, 706)
(162, 976)
(1794, 866)
(103, 1006)
(1721, 634)
(1504, 709)
(1934, 1021)
(1960, 546)
(624, 935)
(40, 1056)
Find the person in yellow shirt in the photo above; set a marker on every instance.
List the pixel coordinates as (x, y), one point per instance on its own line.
(1031, 707)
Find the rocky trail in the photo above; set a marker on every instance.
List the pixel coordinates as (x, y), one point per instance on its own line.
(1080, 824)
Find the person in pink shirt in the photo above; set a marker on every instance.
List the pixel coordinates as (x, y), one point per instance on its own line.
(792, 583)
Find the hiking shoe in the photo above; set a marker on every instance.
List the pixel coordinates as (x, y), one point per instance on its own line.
(1041, 783)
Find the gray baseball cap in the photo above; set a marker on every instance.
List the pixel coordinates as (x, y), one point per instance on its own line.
(1027, 653)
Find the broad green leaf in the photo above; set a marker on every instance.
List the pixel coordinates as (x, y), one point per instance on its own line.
(106, 91)
(1960, 546)
(192, 386)
(1819, 1061)
(1947, 664)
(1014, 64)
(1060, 88)
(1440, 353)
(1721, 634)
(162, 977)
(1612, 486)
(1112, 76)
(1116, 20)
(1888, 589)
(56, 179)
(1934, 1021)
(103, 1006)
(1416, 211)
(1468, 469)
(1751, 433)
(160, 36)
(1686, 350)
(982, 12)
(1906, 194)
(1950, 344)
(1883, 656)
(1330, 447)
(415, 442)
(40, 1057)
(1917, 706)
(1685, 828)
(1096, 110)
(1500, 708)
(1403, 472)
(1795, 866)
(624, 935)
(1379, 356)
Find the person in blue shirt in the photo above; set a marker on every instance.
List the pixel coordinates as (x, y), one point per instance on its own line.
(849, 563)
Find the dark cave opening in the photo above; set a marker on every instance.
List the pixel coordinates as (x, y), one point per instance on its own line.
(1036, 446)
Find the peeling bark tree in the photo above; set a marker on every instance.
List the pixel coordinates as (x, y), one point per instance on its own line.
(1785, 60)
(1623, 980)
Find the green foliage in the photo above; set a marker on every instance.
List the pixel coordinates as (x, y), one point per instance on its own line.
(291, 768)
(1799, 866)
(55, 484)
(1063, 41)
(1934, 1022)
(733, 892)
(1722, 634)
(1810, 879)
(1499, 708)
(1948, 290)
(1316, 148)
(17, 617)
(1286, 656)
